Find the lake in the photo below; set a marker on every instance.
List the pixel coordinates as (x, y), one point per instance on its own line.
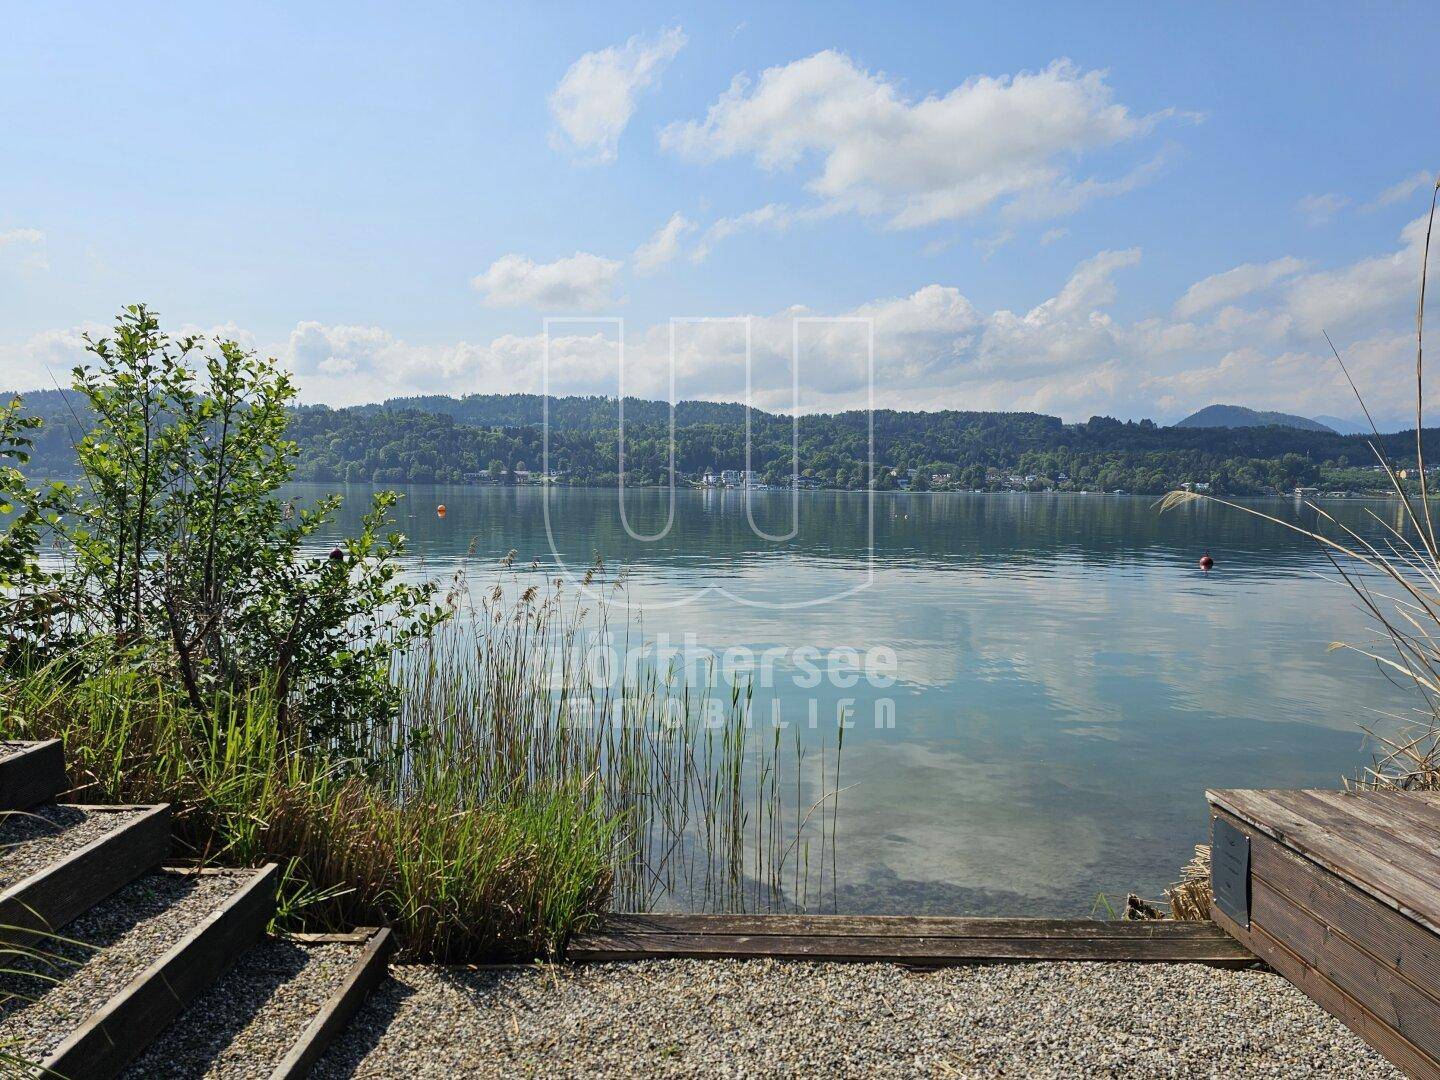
(1060, 681)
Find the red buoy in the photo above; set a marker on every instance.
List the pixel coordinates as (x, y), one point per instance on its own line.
(440, 510)
(1206, 562)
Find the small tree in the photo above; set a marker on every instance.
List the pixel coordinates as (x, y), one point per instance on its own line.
(183, 548)
(30, 612)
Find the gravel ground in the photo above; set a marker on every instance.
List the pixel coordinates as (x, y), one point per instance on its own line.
(31, 840)
(746, 1018)
(127, 932)
(248, 1021)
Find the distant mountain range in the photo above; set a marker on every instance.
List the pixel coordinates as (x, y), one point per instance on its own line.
(1237, 416)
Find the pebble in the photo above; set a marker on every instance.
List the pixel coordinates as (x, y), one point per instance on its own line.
(31, 840)
(248, 1021)
(99, 953)
(765, 1017)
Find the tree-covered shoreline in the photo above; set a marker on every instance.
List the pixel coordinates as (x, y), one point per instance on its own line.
(500, 438)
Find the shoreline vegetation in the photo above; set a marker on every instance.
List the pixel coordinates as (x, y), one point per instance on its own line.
(430, 761)
(502, 439)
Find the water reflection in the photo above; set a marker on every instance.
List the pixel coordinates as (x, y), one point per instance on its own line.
(1069, 682)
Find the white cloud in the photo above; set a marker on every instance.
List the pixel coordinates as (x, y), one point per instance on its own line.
(1067, 195)
(1320, 209)
(1365, 289)
(989, 141)
(596, 97)
(1051, 235)
(664, 246)
(24, 248)
(773, 216)
(1233, 284)
(1250, 335)
(347, 365)
(45, 360)
(1402, 190)
(582, 282)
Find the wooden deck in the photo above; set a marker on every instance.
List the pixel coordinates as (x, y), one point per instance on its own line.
(1340, 893)
(920, 941)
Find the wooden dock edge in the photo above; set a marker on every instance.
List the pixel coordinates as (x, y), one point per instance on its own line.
(32, 775)
(1308, 897)
(1380, 1037)
(127, 1023)
(913, 941)
(56, 894)
(367, 970)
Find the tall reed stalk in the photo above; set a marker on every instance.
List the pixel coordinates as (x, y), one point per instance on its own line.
(1395, 577)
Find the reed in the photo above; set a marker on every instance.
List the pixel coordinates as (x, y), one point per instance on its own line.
(517, 793)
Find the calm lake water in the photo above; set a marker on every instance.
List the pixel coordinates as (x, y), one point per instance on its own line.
(1067, 682)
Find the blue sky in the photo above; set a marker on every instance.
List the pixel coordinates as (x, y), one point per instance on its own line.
(1123, 210)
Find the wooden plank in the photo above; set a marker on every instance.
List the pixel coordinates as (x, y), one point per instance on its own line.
(367, 970)
(1400, 825)
(32, 775)
(102, 1046)
(1425, 811)
(1377, 928)
(937, 926)
(1394, 1000)
(1393, 883)
(1378, 838)
(350, 937)
(634, 938)
(51, 897)
(1337, 826)
(1394, 1047)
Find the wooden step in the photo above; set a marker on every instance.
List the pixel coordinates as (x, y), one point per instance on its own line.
(274, 1013)
(367, 970)
(156, 988)
(915, 940)
(49, 897)
(31, 773)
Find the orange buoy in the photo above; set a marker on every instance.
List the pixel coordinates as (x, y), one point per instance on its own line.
(440, 510)
(1206, 562)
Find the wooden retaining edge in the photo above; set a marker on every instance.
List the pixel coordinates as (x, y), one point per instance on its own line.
(32, 775)
(107, 1041)
(918, 941)
(1296, 898)
(1387, 1042)
(367, 970)
(54, 895)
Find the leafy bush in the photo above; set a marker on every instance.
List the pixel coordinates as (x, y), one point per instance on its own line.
(179, 546)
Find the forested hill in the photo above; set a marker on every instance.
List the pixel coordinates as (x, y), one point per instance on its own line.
(462, 440)
(569, 413)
